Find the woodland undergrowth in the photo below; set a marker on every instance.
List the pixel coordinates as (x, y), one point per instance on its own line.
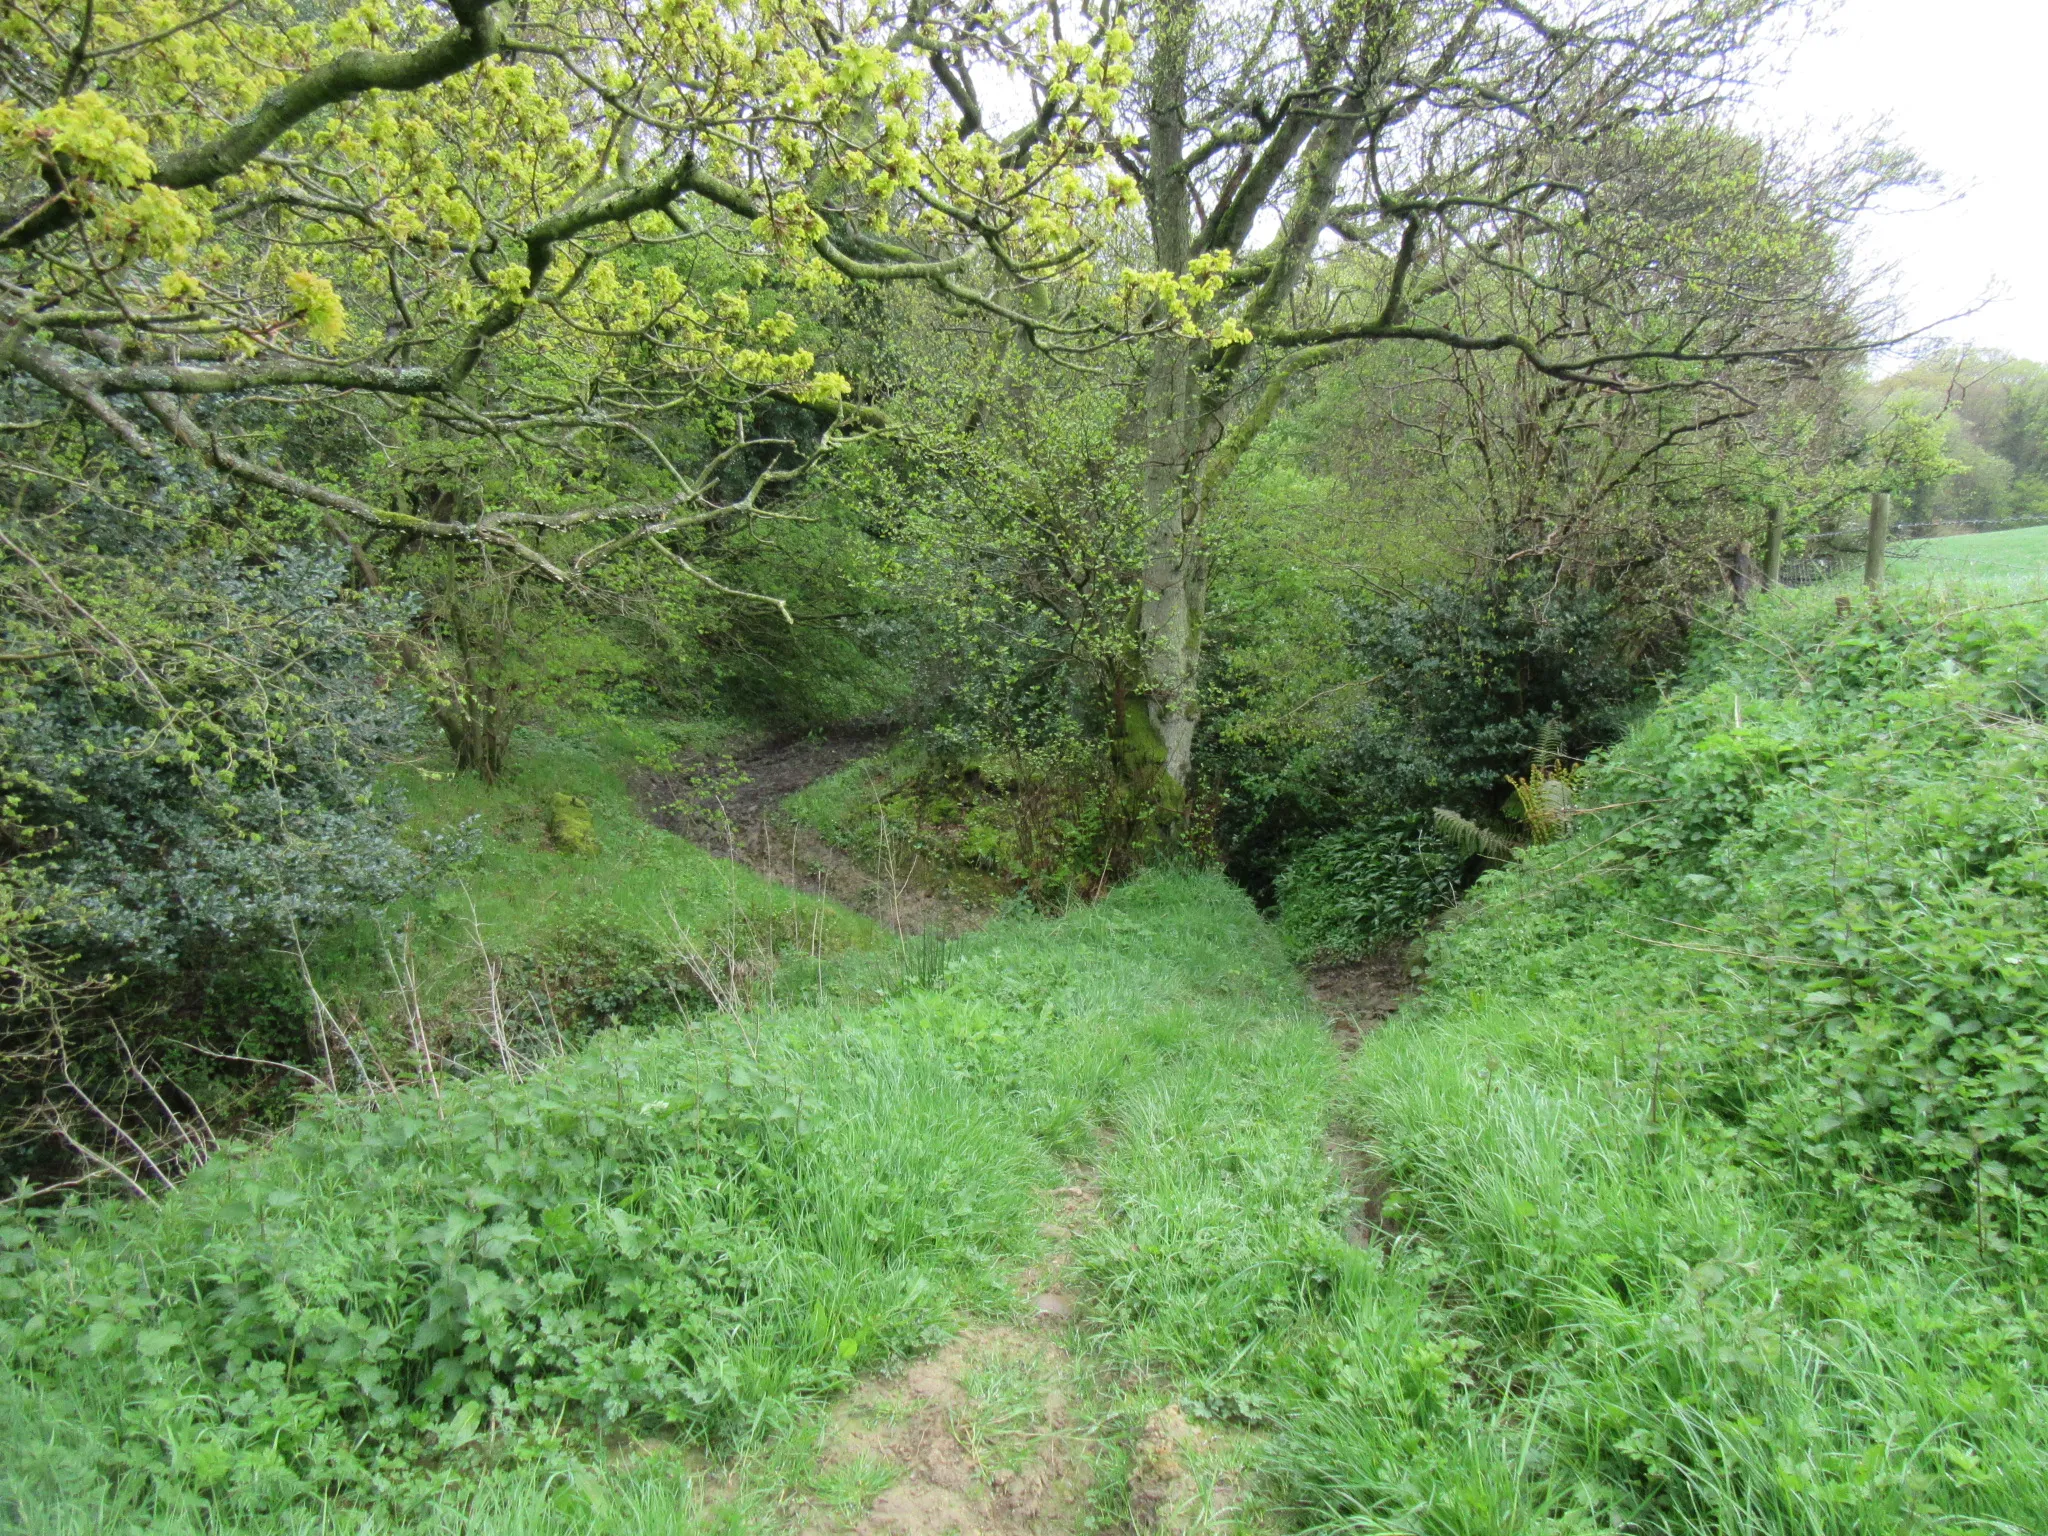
(1707, 1173)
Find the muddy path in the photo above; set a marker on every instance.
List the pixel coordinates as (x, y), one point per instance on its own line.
(732, 806)
(1356, 997)
(1027, 1427)
(1018, 1427)
(1359, 995)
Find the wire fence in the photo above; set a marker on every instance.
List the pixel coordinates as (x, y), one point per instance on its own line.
(1951, 524)
(1824, 565)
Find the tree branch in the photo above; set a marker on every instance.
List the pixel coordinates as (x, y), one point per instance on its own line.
(346, 75)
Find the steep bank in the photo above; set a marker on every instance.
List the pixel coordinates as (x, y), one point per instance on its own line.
(1714, 1143)
(737, 806)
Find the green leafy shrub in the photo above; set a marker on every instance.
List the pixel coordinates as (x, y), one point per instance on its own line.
(1355, 890)
(218, 789)
(190, 751)
(1454, 687)
(1831, 848)
(1465, 679)
(1866, 842)
(665, 1231)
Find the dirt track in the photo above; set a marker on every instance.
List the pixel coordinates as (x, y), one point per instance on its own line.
(732, 807)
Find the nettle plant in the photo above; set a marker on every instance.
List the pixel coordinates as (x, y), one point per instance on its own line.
(1830, 856)
(645, 1234)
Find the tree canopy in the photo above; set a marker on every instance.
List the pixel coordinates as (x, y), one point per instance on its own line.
(497, 230)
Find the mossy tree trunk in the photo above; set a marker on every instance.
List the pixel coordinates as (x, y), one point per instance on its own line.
(1774, 544)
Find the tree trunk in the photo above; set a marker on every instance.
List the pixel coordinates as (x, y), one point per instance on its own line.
(1774, 545)
(1184, 408)
(1738, 567)
(1873, 551)
(479, 734)
(1173, 581)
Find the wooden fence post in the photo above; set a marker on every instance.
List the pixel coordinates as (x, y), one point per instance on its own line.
(1873, 552)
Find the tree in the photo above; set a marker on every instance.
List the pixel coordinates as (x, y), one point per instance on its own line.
(1441, 150)
(486, 230)
(1989, 410)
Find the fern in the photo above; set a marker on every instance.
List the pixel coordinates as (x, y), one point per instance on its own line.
(1469, 838)
(1543, 802)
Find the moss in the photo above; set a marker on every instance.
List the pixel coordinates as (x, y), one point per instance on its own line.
(1140, 754)
(570, 827)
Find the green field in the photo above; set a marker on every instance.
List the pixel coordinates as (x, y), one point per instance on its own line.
(2013, 552)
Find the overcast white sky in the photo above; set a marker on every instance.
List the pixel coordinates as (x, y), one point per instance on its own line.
(1964, 84)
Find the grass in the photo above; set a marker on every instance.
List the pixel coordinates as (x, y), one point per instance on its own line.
(844, 807)
(1974, 556)
(581, 939)
(1666, 1245)
(442, 1315)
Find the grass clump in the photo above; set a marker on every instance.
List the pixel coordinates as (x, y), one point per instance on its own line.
(1714, 1144)
(848, 807)
(1053, 823)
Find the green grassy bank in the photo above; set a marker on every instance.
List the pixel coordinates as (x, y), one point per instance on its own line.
(563, 894)
(1715, 1144)
(452, 1314)
(2007, 552)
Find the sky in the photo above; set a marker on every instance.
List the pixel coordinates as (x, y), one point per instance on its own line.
(1960, 83)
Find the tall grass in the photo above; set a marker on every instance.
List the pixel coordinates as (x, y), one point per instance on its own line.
(1614, 1295)
(437, 1315)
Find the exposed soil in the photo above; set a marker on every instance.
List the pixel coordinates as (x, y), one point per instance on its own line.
(979, 1438)
(1369, 1186)
(1358, 994)
(1358, 997)
(711, 800)
(732, 807)
(1167, 1491)
(983, 1438)
(1016, 1431)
